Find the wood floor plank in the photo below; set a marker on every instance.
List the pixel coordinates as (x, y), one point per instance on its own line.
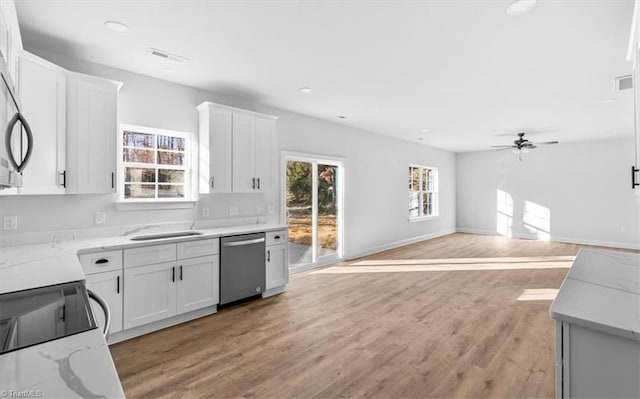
(396, 333)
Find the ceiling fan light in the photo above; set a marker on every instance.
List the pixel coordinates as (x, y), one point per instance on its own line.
(520, 6)
(516, 150)
(525, 150)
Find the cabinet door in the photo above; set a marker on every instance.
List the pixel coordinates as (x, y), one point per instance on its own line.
(220, 142)
(264, 149)
(151, 294)
(244, 127)
(109, 286)
(198, 283)
(43, 94)
(91, 135)
(277, 272)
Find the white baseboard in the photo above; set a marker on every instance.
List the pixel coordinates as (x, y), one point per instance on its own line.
(568, 240)
(401, 243)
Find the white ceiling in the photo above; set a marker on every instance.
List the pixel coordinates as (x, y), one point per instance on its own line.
(466, 70)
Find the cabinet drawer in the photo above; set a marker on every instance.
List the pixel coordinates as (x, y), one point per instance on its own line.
(276, 237)
(149, 255)
(193, 249)
(98, 262)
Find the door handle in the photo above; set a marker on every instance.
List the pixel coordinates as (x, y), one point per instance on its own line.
(113, 177)
(244, 242)
(18, 117)
(64, 178)
(258, 183)
(180, 272)
(634, 170)
(105, 309)
(118, 285)
(269, 256)
(173, 274)
(213, 182)
(253, 183)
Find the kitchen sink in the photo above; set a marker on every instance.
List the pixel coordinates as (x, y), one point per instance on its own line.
(158, 236)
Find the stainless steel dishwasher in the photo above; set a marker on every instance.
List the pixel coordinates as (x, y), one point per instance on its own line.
(242, 267)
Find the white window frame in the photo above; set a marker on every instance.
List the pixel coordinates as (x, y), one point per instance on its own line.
(434, 192)
(190, 172)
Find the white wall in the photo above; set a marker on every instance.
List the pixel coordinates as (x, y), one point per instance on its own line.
(376, 213)
(584, 187)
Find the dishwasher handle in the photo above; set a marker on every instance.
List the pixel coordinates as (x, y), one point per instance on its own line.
(105, 309)
(244, 242)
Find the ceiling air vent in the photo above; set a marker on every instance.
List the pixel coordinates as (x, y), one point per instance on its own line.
(166, 55)
(624, 82)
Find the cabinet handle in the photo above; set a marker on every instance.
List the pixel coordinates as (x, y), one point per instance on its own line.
(213, 182)
(64, 178)
(173, 274)
(253, 183)
(101, 261)
(258, 183)
(634, 170)
(118, 285)
(180, 272)
(113, 179)
(276, 237)
(269, 256)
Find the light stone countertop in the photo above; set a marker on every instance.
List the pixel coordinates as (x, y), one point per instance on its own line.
(78, 366)
(602, 292)
(36, 265)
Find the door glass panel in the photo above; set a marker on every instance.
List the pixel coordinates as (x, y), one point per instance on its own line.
(327, 210)
(300, 212)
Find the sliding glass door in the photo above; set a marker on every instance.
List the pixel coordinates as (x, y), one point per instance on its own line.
(313, 210)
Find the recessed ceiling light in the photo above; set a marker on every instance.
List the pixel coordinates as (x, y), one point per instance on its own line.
(520, 6)
(424, 130)
(608, 100)
(305, 90)
(342, 117)
(419, 138)
(116, 26)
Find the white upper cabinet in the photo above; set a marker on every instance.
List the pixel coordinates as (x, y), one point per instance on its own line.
(43, 98)
(91, 134)
(10, 40)
(236, 150)
(216, 137)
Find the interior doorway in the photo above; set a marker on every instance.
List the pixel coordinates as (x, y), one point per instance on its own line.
(313, 210)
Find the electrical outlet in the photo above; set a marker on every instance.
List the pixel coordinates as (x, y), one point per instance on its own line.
(100, 218)
(205, 212)
(10, 223)
(233, 211)
(258, 210)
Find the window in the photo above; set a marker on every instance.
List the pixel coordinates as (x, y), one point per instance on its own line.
(423, 191)
(155, 165)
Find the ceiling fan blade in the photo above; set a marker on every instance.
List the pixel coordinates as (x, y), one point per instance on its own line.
(546, 142)
(503, 146)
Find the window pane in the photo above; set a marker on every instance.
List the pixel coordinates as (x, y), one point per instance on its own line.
(140, 156)
(414, 204)
(170, 158)
(427, 204)
(429, 180)
(415, 179)
(171, 143)
(170, 176)
(141, 175)
(170, 191)
(424, 179)
(142, 140)
(139, 191)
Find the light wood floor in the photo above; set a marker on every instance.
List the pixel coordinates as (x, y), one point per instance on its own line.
(380, 334)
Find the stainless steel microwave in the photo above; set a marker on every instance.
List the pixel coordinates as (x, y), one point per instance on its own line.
(16, 139)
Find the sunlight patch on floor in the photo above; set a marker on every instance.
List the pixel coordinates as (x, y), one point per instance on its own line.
(538, 294)
(447, 265)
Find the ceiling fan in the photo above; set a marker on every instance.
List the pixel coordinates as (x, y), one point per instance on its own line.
(522, 145)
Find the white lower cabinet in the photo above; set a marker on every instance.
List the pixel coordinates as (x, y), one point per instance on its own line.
(198, 284)
(187, 281)
(277, 272)
(109, 285)
(151, 294)
(277, 259)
